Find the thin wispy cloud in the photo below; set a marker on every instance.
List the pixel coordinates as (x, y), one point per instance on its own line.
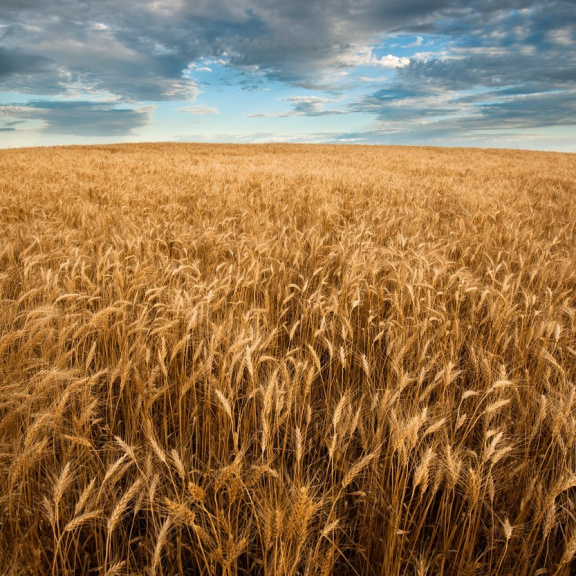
(303, 106)
(200, 110)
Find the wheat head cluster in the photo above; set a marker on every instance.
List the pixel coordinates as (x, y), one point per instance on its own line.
(287, 360)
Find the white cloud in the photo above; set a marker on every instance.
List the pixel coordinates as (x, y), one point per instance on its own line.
(366, 57)
(391, 61)
(370, 79)
(416, 43)
(440, 54)
(562, 37)
(200, 110)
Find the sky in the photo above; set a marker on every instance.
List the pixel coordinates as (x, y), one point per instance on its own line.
(490, 73)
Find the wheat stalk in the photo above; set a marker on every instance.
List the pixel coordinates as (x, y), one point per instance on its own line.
(287, 359)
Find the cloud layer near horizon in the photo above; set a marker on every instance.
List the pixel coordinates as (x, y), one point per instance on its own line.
(472, 66)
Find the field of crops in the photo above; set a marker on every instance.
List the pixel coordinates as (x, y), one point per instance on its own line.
(287, 360)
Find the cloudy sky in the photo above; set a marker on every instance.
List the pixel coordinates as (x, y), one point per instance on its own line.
(443, 72)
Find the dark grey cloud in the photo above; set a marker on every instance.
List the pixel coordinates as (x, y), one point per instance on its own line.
(139, 49)
(499, 116)
(72, 48)
(553, 69)
(526, 111)
(16, 62)
(79, 118)
(515, 70)
(10, 126)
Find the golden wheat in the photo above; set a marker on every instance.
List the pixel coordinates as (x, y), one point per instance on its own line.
(286, 360)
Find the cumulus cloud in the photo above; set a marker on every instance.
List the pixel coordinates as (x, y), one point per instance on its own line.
(366, 57)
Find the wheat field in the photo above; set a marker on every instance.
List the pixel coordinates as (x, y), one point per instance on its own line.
(287, 360)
